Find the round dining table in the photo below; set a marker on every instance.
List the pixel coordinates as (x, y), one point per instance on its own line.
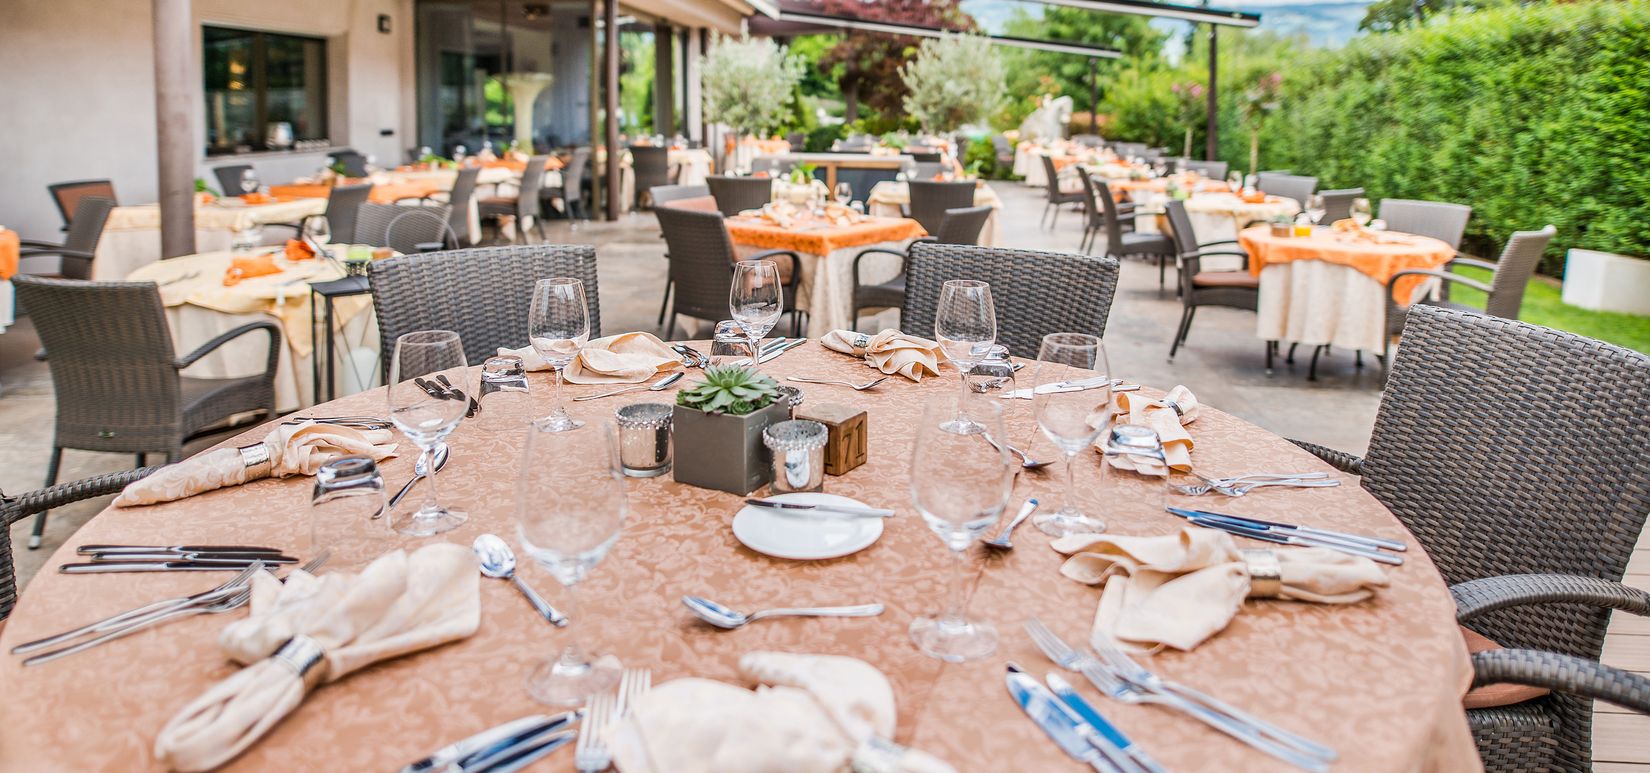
(1379, 681)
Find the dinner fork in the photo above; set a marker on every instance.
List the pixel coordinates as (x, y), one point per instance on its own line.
(591, 755)
(1243, 487)
(856, 387)
(633, 684)
(1119, 689)
(115, 620)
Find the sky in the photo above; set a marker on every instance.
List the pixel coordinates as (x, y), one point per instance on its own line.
(1327, 24)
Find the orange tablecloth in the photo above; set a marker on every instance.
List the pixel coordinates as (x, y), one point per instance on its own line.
(1377, 260)
(10, 246)
(385, 193)
(551, 163)
(1121, 188)
(821, 238)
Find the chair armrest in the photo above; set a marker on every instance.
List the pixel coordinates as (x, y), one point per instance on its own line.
(862, 253)
(1562, 673)
(39, 245)
(1201, 245)
(31, 502)
(411, 198)
(206, 348)
(27, 251)
(1340, 460)
(1444, 275)
(1202, 253)
(1465, 260)
(794, 259)
(297, 227)
(1476, 597)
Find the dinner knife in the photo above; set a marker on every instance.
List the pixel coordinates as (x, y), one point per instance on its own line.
(1063, 690)
(1267, 535)
(1060, 724)
(520, 755)
(1373, 542)
(861, 512)
(1083, 385)
(87, 550)
(155, 566)
(781, 349)
(205, 558)
(507, 734)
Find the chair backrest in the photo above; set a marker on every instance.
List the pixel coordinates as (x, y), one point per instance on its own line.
(858, 142)
(343, 204)
(921, 156)
(1114, 225)
(1035, 293)
(91, 214)
(1053, 174)
(1087, 140)
(701, 260)
(1512, 273)
(1440, 220)
(664, 194)
(464, 188)
(482, 293)
(931, 200)
(1129, 149)
(355, 164)
(372, 224)
(797, 140)
(1001, 145)
(532, 181)
(67, 195)
(1092, 212)
(773, 165)
(963, 225)
(928, 170)
(651, 166)
(1214, 170)
(230, 176)
(111, 362)
(1337, 204)
(14, 508)
(1290, 186)
(1185, 243)
(421, 229)
(737, 194)
(572, 177)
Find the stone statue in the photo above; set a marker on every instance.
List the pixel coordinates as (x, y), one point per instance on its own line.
(1048, 121)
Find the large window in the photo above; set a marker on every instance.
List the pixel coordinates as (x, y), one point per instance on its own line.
(263, 91)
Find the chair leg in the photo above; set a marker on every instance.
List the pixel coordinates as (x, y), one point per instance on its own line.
(1162, 268)
(1358, 359)
(665, 304)
(1271, 351)
(141, 456)
(51, 480)
(1312, 372)
(1042, 222)
(1290, 358)
(1180, 334)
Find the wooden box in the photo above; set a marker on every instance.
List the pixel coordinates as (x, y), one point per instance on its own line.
(846, 443)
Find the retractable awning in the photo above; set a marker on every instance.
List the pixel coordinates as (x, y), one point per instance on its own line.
(805, 19)
(1189, 13)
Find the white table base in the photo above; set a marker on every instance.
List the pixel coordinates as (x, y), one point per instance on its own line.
(826, 290)
(1313, 302)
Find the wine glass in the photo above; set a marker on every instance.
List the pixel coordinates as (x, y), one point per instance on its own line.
(965, 324)
(960, 485)
(426, 415)
(1071, 420)
(570, 508)
(1360, 212)
(319, 230)
(844, 193)
(756, 301)
(558, 325)
(1315, 208)
(249, 181)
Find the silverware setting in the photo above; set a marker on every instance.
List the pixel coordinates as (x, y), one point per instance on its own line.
(164, 560)
(1292, 534)
(606, 710)
(445, 391)
(421, 470)
(499, 562)
(353, 422)
(656, 386)
(725, 618)
(691, 357)
(1087, 738)
(851, 385)
(1026, 462)
(796, 508)
(1121, 678)
(1001, 540)
(772, 349)
(475, 407)
(1073, 385)
(500, 743)
(1241, 487)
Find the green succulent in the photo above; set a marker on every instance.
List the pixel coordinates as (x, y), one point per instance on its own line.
(732, 390)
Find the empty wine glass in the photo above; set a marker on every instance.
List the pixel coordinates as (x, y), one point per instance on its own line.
(1072, 420)
(1315, 208)
(570, 508)
(558, 325)
(960, 485)
(844, 193)
(965, 324)
(427, 413)
(1360, 211)
(249, 180)
(319, 230)
(756, 301)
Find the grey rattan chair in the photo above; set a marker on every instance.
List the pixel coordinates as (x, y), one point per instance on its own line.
(1036, 293)
(1233, 289)
(482, 293)
(737, 194)
(1056, 198)
(16, 508)
(354, 163)
(117, 378)
(67, 196)
(373, 222)
(1290, 186)
(1004, 150)
(651, 165)
(960, 226)
(1503, 447)
(1094, 215)
(1088, 140)
(1505, 290)
(571, 190)
(230, 176)
(1440, 220)
(665, 194)
(458, 201)
(771, 165)
(701, 266)
(1337, 204)
(421, 229)
(342, 203)
(74, 256)
(930, 201)
(1130, 149)
(1214, 170)
(523, 206)
(1121, 244)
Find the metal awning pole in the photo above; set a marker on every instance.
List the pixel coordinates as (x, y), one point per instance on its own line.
(1212, 126)
(174, 126)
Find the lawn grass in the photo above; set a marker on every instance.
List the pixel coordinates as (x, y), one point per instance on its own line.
(1542, 306)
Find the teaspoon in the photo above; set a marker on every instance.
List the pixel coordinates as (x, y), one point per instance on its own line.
(722, 617)
(653, 387)
(499, 562)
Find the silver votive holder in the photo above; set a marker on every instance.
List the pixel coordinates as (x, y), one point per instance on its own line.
(644, 439)
(790, 396)
(798, 449)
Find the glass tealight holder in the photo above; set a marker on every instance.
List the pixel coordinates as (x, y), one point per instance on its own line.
(503, 394)
(347, 499)
(644, 439)
(729, 344)
(798, 450)
(994, 375)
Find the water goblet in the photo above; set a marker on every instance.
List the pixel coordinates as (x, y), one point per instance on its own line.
(558, 325)
(965, 324)
(426, 414)
(1072, 420)
(756, 301)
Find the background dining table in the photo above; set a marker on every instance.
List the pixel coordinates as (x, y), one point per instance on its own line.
(887, 197)
(827, 249)
(10, 255)
(1380, 681)
(131, 238)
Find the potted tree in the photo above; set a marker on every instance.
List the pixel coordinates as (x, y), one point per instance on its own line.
(954, 80)
(747, 85)
(718, 429)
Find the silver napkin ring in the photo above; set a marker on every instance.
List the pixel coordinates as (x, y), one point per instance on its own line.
(861, 340)
(254, 455)
(306, 657)
(876, 755)
(1175, 406)
(1265, 573)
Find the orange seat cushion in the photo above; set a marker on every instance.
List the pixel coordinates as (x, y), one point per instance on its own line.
(501, 201)
(1225, 279)
(1492, 695)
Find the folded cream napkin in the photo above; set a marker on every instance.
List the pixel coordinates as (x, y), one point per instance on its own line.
(889, 351)
(1177, 590)
(627, 358)
(312, 630)
(1167, 415)
(296, 449)
(817, 714)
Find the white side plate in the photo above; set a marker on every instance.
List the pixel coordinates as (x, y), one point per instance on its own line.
(805, 536)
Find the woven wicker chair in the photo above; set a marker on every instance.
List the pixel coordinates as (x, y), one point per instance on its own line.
(1290, 186)
(1036, 293)
(701, 266)
(571, 190)
(1232, 289)
(421, 229)
(16, 508)
(1440, 220)
(230, 176)
(737, 194)
(1214, 170)
(960, 226)
(1094, 215)
(67, 196)
(1056, 198)
(1337, 204)
(665, 195)
(1130, 149)
(1503, 447)
(355, 164)
(931, 201)
(772, 166)
(74, 256)
(117, 378)
(342, 203)
(651, 165)
(482, 293)
(1121, 244)
(458, 201)
(1004, 150)
(523, 206)
(1505, 290)
(1088, 140)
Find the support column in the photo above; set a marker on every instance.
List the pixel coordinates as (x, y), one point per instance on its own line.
(174, 131)
(664, 79)
(693, 112)
(595, 107)
(1094, 95)
(610, 55)
(704, 128)
(1211, 146)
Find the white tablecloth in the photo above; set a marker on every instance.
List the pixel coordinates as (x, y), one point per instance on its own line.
(887, 196)
(8, 304)
(690, 167)
(1313, 302)
(1219, 216)
(826, 289)
(131, 239)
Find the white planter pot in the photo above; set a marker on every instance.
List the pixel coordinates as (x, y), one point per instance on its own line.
(1603, 281)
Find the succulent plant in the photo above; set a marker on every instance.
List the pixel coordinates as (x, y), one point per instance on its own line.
(732, 390)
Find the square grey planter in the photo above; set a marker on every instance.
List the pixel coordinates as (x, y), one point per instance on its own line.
(723, 452)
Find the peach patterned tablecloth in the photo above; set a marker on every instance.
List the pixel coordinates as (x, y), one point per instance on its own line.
(1378, 260)
(1379, 681)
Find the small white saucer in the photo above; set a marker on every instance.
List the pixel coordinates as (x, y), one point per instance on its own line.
(805, 537)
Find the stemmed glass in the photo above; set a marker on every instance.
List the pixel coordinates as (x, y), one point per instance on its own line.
(844, 193)
(1072, 420)
(1360, 212)
(249, 181)
(426, 418)
(558, 325)
(965, 324)
(960, 485)
(756, 301)
(1315, 208)
(570, 508)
